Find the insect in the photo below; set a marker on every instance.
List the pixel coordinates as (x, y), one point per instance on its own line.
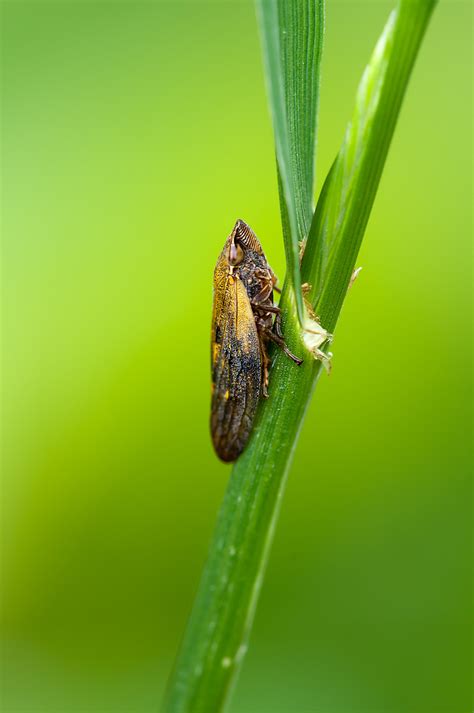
(244, 320)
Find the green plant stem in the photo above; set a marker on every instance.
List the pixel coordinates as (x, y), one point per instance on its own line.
(217, 633)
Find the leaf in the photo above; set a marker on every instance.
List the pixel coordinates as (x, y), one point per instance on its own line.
(292, 39)
(349, 191)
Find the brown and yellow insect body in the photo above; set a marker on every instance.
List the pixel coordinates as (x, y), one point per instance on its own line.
(242, 324)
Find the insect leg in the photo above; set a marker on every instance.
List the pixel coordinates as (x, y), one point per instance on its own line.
(263, 295)
(265, 307)
(282, 344)
(274, 281)
(265, 364)
(277, 325)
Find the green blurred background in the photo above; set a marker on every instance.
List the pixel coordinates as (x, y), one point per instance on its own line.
(134, 134)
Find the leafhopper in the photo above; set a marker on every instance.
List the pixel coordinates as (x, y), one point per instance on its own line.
(244, 320)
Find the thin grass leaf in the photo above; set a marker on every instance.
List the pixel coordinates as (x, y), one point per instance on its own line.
(292, 38)
(348, 194)
(217, 634)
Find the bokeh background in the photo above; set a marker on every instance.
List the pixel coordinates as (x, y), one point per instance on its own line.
(134, 134)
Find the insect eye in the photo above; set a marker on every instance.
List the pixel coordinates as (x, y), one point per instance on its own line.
(236, 254)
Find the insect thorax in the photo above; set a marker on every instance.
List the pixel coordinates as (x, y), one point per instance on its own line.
(251, 271)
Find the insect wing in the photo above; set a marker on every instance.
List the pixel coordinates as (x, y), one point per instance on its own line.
(236, 365)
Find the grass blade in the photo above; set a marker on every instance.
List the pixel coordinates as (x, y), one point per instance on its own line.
(217, 634)
(292, 38)
(348, 194)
